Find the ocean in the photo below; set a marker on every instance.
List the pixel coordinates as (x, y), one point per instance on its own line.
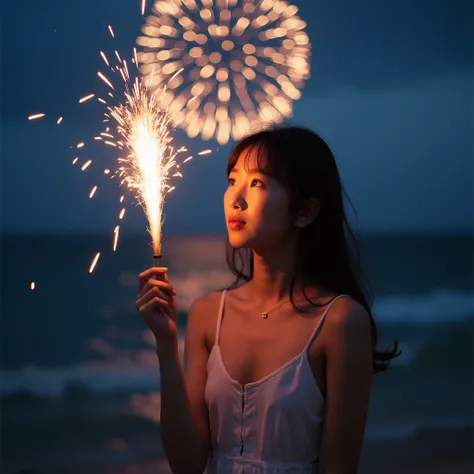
(79, 378)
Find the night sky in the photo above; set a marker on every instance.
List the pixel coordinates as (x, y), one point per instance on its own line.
(391, 90)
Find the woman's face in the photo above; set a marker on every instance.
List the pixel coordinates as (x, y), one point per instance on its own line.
(255, 206)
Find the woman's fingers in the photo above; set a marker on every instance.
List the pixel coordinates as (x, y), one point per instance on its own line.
(157, 272)
(154, 299)
(164, 286)
(153, 306)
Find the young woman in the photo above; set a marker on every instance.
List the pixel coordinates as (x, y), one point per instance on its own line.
(279, 366)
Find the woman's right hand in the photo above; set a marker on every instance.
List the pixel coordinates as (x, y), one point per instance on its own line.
(156, 305)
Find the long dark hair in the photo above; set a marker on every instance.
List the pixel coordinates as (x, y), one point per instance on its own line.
(326, 251)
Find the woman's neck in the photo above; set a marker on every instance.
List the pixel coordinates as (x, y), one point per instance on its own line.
(272, 275)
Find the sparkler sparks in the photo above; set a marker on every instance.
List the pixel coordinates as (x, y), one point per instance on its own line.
(86, 98)
(143, 131)
(86, 165)
(142, 135)
(94, 262)
(104, 57)
(116, 237)
(93, 190)
(241, 63)
(105, 80)
(36, 116)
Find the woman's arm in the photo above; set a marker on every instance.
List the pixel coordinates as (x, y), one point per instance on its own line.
(184, 416)
(348, 384)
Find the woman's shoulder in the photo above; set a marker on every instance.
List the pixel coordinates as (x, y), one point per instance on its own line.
(212, 300)
(347, 318)
(206, 303)
(202, 315)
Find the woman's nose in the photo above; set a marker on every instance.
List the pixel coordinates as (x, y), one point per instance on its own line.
(237, 200)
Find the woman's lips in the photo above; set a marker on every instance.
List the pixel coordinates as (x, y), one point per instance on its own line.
(236, 225)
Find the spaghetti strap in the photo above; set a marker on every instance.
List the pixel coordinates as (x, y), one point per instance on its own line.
(219, 318)
(321, 321)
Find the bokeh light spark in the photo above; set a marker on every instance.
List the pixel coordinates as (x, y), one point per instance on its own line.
(93, 191)
(36, 116)
(105, 80)
(116, 237)
(86, 98)
(86, 165)
(94, 262)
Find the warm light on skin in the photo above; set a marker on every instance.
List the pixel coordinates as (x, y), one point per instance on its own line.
(260, 200)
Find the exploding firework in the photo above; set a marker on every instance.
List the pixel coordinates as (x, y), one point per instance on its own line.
(228, 65)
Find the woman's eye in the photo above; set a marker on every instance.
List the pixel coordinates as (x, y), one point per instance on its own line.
(256, 183)
(231, 181)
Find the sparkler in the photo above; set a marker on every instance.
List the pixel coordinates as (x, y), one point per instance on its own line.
(241, 63)
(144, 128)
(141, 130)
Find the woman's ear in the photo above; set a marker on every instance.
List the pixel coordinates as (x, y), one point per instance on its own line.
(308, 213)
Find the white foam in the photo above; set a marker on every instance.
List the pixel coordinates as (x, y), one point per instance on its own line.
(124, 374)
(97, 377)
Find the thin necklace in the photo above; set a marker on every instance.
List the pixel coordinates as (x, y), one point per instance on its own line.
(266, 313)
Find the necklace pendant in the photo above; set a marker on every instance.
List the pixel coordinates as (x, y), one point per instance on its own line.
(264, 315)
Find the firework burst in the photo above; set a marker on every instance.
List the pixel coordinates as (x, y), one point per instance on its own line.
(241, 63)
